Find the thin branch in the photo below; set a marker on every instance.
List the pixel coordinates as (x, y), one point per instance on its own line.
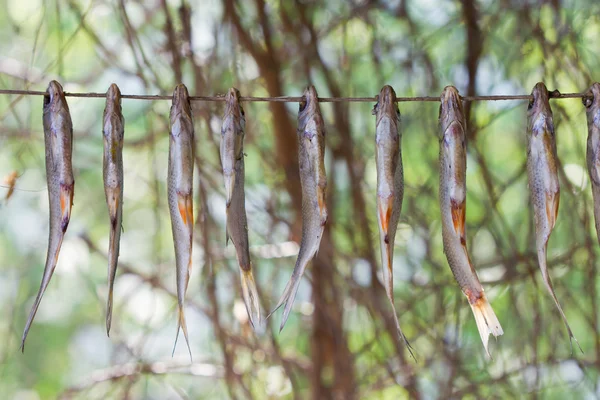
(296, 99)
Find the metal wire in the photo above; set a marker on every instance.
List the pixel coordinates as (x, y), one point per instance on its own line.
(296, 99)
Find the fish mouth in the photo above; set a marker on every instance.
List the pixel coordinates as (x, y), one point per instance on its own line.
(541, 99)
(55, 94)
(181, 100)
(450, 107)
(310, 100)
(113, 95)
(386, 104)
(232, 104)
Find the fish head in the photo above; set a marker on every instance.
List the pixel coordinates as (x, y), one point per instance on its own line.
(539, 113)
(387, 106)
(232, 139)
(181, 107)
(451, 109)
(113, 97)
(54, 100)
(113, 118)
(309, 103)
(591, 101)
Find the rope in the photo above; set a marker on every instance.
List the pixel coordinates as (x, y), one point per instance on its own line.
(296, 99)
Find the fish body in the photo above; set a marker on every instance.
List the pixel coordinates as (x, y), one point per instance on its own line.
(311, 158)
(232, 159)
(453, 190)
(542, 173)
(180, 183)
(58, 140)
(592, 105)
(390, 185)
(112, 171)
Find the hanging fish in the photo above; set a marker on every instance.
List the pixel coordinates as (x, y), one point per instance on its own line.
(311, 152)
(591, 101)
(180, 182)
(232, 158)
(453, 191)
(58, 139)
(542, 163)
(390, 186)
(112, 171)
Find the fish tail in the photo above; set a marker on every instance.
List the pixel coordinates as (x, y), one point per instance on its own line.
(288, 296)
(181, 324)
(109, 304)
(250, 296)
(548, 284)
(487, 322)
(112, 270)
(289, 293)
(51, 261)
(400, 333)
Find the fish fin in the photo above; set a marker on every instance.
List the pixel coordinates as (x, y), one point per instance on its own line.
(548, 284)
(288, 296)
(250, 296)
(458, 219)
(181, 324)
(51, 261)
(487, 322)
(184, 201)
(385, 208)
(552, 200)
(66, 202)
(322, 204)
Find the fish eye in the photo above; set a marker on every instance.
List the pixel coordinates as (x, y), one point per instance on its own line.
(587, 101)
(530, 106)
(302, 105)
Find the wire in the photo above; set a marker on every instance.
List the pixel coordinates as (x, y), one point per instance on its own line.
(297, 99)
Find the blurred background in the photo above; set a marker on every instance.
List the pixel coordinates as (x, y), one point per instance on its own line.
(340, 341)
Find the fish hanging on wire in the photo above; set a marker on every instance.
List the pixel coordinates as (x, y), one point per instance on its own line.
(453, 201)
(112, 171)
(591, 101)
(180, 183)
(58, 140)
(390, 187)
(542, 163)
(232, 159)
(311, 153)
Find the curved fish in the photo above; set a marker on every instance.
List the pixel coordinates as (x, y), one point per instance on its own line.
(58, 139)
(591, 101)
(390, 186)
(232, 159)
(311, 153)
(453, 201)
(113, 130)
(542, 163)
(180, 182)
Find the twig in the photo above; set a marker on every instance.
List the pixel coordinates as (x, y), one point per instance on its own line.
(294, 99)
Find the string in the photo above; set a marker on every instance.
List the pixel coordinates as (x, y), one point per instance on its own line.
(297, 99)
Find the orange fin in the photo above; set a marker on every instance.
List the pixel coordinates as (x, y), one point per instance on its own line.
(458, 219)
(185, 209)
(385, 214)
